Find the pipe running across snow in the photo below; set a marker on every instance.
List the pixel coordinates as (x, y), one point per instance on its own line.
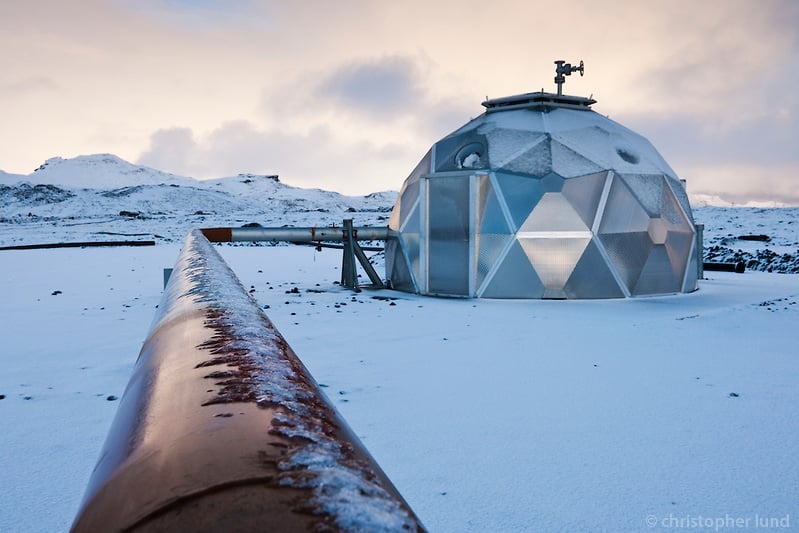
(326, 234)
(222, 428)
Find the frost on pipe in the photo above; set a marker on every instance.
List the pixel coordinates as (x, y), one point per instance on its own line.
(222, 428)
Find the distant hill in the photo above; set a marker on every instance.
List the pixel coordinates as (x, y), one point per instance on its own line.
(100, 182)
(65, 198)
(107, 171)
(5, 177)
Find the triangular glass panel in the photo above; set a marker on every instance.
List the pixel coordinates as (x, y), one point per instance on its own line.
(592, 277)
(692, 271)
(408, 201)
(412, 222)
(678, 247)
(514, 278)
(490, 216)
(397, 269)
(628, 252)
(658, 275)
(554, 213)
(554, 259)
(584, 193)
(409, 193)
(521, 194)
(488, 248)
(552, 182)
(410, 245)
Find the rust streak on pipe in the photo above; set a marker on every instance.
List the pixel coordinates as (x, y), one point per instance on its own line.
(222, 428)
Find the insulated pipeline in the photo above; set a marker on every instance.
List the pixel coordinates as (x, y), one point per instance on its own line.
(221, 427)
(327, 234)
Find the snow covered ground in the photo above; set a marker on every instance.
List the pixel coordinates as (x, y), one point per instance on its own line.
(654, 414)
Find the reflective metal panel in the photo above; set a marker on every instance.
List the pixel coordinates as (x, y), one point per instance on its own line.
(521, 194)
(554, 259)
(593, 143)
(514, 278)
(670, 211)
(628, 252)
(678, 189)
(535, 160)
(584, 193)
(648, 189)
(657, 276)
(622, 211)
(553, 213)
(569, 163)
(505, 145)
(592, 278)
(448, 237)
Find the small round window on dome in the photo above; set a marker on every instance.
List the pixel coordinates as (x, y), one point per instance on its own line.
(627, 155)
(470, 156)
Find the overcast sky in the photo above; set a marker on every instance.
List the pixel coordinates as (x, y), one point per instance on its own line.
(349, 94)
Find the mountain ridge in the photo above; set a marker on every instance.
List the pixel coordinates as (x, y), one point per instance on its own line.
(108, 171)
(65, 198)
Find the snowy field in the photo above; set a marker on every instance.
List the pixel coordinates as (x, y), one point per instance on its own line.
(673, 413)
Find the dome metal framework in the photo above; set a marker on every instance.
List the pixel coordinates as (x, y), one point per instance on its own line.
(541, 197)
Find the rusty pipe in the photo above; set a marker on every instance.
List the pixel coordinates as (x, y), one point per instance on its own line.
(327, 234)
(222, 428)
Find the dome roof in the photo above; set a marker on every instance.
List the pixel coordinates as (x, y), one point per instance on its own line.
(536, 133)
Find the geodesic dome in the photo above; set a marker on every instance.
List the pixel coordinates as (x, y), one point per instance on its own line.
(541, 197)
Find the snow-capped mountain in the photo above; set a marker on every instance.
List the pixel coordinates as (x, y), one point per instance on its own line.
(109, 172)
(99, 171)
(65, 197)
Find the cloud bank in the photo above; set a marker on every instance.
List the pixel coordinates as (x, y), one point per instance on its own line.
(351, 95)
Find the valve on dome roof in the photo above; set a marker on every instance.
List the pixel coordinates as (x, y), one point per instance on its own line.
(563, 69)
